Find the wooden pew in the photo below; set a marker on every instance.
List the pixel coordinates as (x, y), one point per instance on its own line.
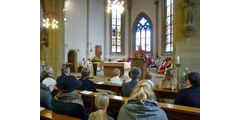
(50, 115)
(160, 93)
(174, 112)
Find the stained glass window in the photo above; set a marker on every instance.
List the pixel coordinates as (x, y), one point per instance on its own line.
(143, 34)
(169, 26)
(116, 32)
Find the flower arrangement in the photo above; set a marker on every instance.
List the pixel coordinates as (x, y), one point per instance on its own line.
(183, 79)
(95, 59)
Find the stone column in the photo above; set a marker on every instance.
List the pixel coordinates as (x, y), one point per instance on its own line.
(129, 28)
(53, 53)
(87, 31)
(156, 2)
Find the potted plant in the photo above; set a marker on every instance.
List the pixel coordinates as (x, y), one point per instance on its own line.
(94, 61)
(183, 79)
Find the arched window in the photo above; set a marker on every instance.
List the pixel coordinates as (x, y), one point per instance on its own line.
(116, 32)
(169, 26)
(143, 34)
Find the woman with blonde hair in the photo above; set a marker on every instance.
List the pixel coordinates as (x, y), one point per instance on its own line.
(141, 104)
(116, 79)
(101, 102)
(169, 82)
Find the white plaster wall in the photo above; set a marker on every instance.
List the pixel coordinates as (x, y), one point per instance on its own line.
(75, 28)
(96, 25)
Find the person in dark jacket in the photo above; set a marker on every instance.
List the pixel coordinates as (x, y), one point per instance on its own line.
(141, 105)
(190, 96)
(65, 72)
(46, 87)
(68, 101)
(87, 84)
(128, 87)
(48, 73)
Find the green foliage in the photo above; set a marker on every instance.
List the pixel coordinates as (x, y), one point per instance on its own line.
(95, 59)
(183, 78)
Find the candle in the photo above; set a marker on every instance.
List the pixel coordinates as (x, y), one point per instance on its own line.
(178, 60)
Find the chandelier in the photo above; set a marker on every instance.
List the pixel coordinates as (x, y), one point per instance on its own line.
(115, 5)
(49, 20)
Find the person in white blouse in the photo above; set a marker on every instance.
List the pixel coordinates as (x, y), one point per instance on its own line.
(116, 78)
(148, 77)
(129, 79)
(83, 63)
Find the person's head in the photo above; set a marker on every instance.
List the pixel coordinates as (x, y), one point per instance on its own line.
(169, 75)
(143, 91)
(136, 73)
(83, 59)
(129, 74)
(148, 76)
(50, 83)
(66, 71)
(139, 47)
(89, 59)
(194, 78)
(85, 72)
(49, 70)
(116, 72)
(101, 102)
(69, 84)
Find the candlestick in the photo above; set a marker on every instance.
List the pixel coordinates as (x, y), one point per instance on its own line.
(178, 60)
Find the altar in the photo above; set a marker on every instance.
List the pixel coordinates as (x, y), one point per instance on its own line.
(110, 66)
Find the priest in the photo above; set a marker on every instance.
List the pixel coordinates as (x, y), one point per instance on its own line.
(140, 54)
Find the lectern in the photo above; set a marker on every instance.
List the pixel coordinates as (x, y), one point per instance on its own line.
(140, 63)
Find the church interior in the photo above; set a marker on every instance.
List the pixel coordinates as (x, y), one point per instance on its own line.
(108, 42)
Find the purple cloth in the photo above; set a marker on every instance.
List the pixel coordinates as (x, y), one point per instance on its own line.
(130, 60)
(149, 61)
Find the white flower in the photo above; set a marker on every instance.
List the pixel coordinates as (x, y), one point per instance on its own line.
(187, 68)
(184, 73)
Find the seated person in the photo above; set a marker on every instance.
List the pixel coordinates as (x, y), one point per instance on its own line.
(190, 96)
(87, 84)
(101, 102)
(46, 87)
(169, 82)
(65, 73)
(149, 61)
(148, 77)
(48, 73)
(129, 79)
(128, 87)
(116, 78)
(164, 66)
(68, 101)
(142, 105)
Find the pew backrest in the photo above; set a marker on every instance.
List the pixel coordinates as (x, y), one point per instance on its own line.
(50, 115)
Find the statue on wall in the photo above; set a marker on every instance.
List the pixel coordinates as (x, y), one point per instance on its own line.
(44, 37)
(98, 51)
(188, 11)
(189, 26)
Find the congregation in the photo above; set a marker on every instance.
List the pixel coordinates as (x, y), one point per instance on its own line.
(141, 102)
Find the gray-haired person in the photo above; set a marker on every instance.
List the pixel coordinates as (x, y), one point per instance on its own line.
(65, 72)
(48, 73)
(128, 87)
(46, 87)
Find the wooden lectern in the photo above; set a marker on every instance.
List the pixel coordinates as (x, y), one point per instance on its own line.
(140, 63)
